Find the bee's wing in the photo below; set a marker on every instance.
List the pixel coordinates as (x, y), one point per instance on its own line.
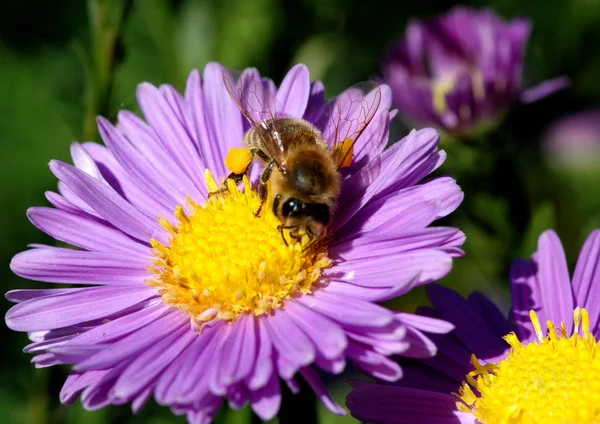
(345, 117)
(255, 98)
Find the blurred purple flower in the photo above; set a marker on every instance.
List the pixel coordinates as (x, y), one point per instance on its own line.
(429, 387)
(574, 141)
(139, 330)
(460, 71)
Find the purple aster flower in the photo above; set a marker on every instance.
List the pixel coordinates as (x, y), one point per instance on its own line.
(192, 299)
(460, 71)
(542, 365)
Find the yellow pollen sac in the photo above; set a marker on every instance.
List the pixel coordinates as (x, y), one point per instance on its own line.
(553, 380)
(223, 261)
(238, 159)
(344, 152)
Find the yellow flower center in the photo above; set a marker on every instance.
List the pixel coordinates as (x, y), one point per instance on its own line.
(223, 261)
(553, 380)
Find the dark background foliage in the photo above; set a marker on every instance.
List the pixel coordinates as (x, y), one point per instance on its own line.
(64, 62)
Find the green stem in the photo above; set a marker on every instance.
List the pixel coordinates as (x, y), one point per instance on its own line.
(106, 18)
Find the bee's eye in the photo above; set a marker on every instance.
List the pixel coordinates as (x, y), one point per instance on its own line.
(289, 207)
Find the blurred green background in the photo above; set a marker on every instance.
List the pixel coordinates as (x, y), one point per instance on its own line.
(64, 62)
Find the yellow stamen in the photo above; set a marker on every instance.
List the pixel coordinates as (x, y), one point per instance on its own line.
(440, 89)
(553, 380)
(223, 261)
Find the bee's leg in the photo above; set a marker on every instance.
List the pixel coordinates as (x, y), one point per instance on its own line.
(262, 188)
(315, 239)
(262, 155)
(236, 177)
(293, 234)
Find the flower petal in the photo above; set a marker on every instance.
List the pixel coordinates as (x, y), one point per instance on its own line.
(294, 91)
(419, 376)
(314, 381)
(316, 101)
(443, 192)
(179, 377)
(419, 345)
(545, 89)
(429, 264)
(171, 131)
(400, 405)
(145, 198)
(472, 331)
(222, 120)
(87, 233)
(239, 352)
(145, 178)
(113, 328)
(427, 324)
(137, 147)
(263, 365)
(372, 293)
(107, 202)
(586, 279)
(373, 363)
(151, 362)
(76, 382)
(402, 165)
(64, 309)
(555, 284)
(61, 265)
(123, 350)
(291, 343)
(336, 307)
(382, 244)
(328, 338)
(526, 296)
(21, 295)
(266, 400)
(97, 394)
(490, 312)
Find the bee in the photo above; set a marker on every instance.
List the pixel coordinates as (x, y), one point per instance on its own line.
(301, 162)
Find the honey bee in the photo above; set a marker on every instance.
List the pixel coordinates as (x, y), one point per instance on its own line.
(301, 168)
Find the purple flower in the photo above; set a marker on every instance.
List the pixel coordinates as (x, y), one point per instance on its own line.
(542, 372)
(193, 300)
(573, 142)
(460, 71)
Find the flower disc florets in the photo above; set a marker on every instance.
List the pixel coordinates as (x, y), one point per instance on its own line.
(553, 380)
(224, 261)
